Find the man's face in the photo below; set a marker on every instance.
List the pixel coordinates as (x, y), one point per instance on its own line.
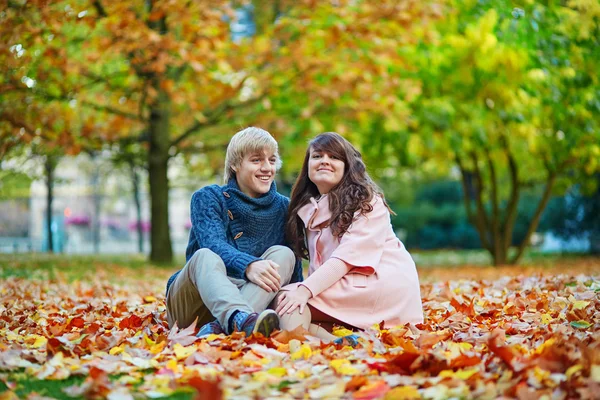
(256, 173)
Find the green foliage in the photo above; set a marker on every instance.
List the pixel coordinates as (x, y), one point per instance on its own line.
(14, 185)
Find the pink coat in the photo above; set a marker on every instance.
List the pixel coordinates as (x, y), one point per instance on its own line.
(382, 286)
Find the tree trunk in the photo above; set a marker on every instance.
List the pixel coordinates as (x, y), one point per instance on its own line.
(49, 166)
(500, 257)
(135, 180)
(158, 160)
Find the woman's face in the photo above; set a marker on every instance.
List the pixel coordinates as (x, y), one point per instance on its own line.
(256, 173)
(324, 170)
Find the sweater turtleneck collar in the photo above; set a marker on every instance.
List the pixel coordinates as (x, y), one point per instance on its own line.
(264, 200)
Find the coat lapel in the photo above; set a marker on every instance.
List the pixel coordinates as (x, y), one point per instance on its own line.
(315, 213)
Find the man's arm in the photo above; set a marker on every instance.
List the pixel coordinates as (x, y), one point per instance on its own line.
(208, 218)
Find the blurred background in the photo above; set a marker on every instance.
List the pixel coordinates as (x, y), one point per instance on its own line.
(479, 119)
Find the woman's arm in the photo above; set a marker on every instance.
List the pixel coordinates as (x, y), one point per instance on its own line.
(326, 275)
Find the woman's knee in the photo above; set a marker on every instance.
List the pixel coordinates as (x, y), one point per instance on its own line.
(291, 321)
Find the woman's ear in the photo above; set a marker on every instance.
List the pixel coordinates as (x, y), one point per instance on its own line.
(234, 168)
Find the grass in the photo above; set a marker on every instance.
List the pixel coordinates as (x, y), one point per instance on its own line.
(47, 388)
(54, 388)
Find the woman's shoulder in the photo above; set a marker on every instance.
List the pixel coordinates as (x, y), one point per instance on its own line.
(378, 207)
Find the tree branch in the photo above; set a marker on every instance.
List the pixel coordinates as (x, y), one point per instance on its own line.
(536, 217)
(111, 110)
(515, 189)
(496, 237)
(215, 116)
(476, 221)
(99, 9)
(481, 214)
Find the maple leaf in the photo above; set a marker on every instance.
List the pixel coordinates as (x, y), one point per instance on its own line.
(184, 337)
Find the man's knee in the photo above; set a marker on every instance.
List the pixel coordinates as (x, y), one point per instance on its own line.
(205, 259)
(286, 259)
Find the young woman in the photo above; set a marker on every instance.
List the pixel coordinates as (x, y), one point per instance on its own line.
(360, 273)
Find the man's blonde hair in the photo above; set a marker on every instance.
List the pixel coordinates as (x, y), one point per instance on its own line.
(248, 141)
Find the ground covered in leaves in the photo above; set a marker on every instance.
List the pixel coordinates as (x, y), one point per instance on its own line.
(518, 333)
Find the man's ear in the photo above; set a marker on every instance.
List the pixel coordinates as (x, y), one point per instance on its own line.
(234, 168)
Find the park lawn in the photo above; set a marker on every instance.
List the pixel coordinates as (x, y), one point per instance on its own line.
(94, 326)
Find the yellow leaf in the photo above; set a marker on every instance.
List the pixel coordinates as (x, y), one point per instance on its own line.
(157, 348)
(343, 367)
(172, 365)
(546, 318)
(211, 337)
(541, 374)
(402, 393)
(303, 352)
(340, 332)
(39, 342)
(150, 299)
(580, 304)
(183, 352)
(278, 371)
(462, 374)
(540, 349)
(573, 370)
(149, 341)
(116, 350)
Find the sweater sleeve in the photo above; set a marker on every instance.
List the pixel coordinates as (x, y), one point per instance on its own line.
(209, 225)
(326, 275)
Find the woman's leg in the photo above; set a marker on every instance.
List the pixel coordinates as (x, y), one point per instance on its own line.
(289, 322)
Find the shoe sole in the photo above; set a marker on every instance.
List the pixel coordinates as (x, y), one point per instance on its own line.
(266, 322)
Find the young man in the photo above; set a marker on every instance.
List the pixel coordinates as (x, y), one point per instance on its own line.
(236, 255)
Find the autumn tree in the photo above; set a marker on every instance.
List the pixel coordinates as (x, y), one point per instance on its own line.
(159, 71)
(509, 97)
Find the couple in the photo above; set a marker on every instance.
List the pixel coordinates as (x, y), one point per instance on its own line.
(241, 276)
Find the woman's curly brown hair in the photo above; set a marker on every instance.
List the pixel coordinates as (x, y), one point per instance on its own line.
(353, 193)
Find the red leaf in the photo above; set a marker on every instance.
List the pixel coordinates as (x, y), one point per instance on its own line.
(207, 390)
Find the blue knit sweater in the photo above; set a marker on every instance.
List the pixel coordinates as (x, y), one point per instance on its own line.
(237, 227)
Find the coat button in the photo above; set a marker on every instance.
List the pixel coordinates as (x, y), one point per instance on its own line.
(230, 215)
(226, 194)
(239, 235)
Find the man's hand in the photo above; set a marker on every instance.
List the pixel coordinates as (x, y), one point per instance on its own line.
(264, 274)
(291, 299)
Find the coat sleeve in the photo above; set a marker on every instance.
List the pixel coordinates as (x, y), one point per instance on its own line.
(326, 275)
(209, 224)
(362, 245)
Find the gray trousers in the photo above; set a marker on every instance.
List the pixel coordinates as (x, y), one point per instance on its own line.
(203, 290)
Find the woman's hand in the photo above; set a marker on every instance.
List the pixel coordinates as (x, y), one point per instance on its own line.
(289, 300)
(264, 274)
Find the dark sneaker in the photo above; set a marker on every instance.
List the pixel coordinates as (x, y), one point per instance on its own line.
(264, 323)
(212, 328)
(351, 340)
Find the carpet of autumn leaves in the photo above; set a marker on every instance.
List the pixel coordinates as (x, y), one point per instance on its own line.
(500, 334)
